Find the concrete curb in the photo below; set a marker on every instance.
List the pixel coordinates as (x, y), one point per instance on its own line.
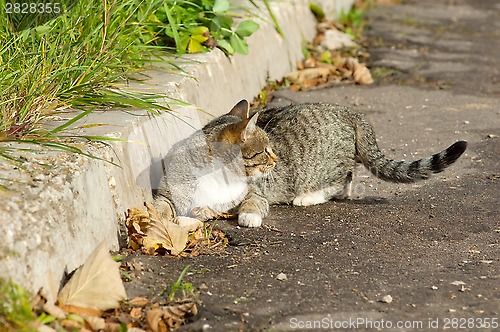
(49, 227)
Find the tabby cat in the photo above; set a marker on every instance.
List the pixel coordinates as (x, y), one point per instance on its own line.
(301, 154)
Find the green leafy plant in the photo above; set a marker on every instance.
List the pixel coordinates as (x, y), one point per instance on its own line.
(194, 26)
(354, 22)
(317, 11)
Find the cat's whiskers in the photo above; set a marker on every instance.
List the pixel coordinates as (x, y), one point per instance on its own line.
(268, 181)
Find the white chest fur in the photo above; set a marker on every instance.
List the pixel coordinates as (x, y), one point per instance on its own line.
(221, 189)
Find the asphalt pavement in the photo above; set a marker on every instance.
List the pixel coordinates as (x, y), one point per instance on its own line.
(421, 256)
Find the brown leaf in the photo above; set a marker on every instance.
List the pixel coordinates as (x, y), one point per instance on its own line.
(155, 321)
(300, 65)
(170, 317)
(95, 323)
(150, 231)
(319, 38)
(189, 224)
(137, 221)
(155, 215)
(163, 233)
(71, 325)
(167, 235)
(135, 329)
(136, 313)
(81, 311)
(350, 63)
(137, 224)
(112, 327)
(139, 301)
(206, 213)
(300, 77)
(362, 74)
(54, 310)
(97, 284)
(310, 62)
(45, 328)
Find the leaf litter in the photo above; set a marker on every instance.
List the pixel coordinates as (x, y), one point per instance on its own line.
(326, 63)
(94, 299)
(96, 285)
(167, 234)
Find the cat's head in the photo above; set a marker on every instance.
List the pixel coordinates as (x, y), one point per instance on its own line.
(258, 156)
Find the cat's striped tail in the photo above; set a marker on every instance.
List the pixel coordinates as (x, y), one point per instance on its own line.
(401, 171)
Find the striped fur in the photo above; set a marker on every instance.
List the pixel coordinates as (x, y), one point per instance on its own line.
(318, 145)
(210, 168)
(302, 154)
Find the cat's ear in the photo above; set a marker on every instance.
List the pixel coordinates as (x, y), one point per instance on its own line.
(249, 127)
(241, 109)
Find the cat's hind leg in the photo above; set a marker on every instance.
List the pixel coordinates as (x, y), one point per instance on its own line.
(346, 192)
(311, 198)
(340, 191)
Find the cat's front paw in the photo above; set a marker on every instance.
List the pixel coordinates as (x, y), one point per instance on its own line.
(249, 220)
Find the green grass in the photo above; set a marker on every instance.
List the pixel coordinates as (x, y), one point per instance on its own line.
(82, 58)
(185, 288)
(73, 61)
(355, 20)
(15, 309)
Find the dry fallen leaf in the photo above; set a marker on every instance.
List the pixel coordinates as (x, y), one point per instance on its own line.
(135, 329)
(137, 224)
(113, 327)
(138, 220)
(97, 284)
(45, 328)
(153, 234)
(307, 74)
(81, 311)
(155, 215)
(136, 313)
(189, 224)
(362, 74)
(206, 213)
(326, 65)
(54, 310)
(170, 317)
(71, 325)
(167, 235)
(95, 323)
(139, 301)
